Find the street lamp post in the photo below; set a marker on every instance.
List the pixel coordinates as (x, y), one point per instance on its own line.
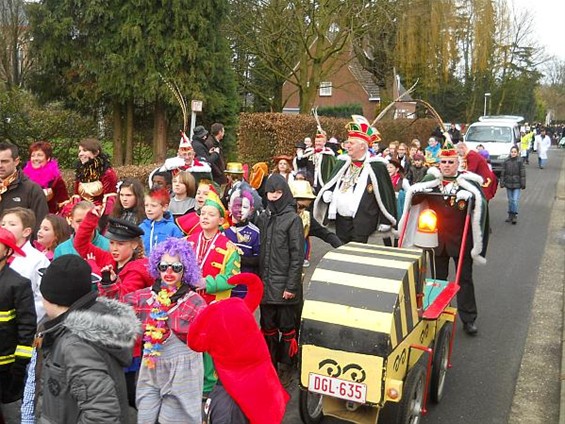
(487, 95)
(195, 106)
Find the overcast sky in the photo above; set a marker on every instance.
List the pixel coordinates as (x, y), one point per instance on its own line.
(549, 17)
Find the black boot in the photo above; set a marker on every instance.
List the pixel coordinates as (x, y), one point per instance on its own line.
(272, 339)
(509, 219)
(514, 218)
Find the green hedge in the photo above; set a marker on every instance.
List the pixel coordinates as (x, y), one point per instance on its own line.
(341, 111)
(261, 136)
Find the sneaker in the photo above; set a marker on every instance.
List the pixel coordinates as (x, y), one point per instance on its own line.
(306, 263)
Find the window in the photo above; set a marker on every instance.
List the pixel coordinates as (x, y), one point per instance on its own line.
(325, 89)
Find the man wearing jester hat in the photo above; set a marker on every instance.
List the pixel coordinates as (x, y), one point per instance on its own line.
(185, 161)
(358, 194)
(451, 209)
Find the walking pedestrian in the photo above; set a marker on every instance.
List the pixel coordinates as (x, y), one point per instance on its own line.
(543, 143)
(513, 178)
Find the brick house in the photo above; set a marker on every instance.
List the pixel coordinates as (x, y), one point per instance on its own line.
(350, 84)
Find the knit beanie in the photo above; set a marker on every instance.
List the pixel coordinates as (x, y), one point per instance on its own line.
(66, 280)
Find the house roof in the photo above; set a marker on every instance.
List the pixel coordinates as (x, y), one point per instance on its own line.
(365, 79)
(404, 96)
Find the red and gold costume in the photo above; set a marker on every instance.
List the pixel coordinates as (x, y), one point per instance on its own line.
(474, 162)
(219, 260)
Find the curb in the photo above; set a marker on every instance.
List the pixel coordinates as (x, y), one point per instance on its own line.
(560, 200)
(539, 395)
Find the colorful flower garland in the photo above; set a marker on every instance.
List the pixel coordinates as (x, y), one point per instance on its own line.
(156, 328)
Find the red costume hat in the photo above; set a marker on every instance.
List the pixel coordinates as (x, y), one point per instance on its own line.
(448, 151)
(278, 158)
(185, 142)
(8, 240)
(361, 129)
(227, 330)
(321, 135)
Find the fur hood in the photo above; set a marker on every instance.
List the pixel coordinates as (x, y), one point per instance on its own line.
(109, 324)
(468, 181)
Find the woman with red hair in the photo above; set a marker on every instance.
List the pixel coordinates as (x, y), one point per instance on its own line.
(43, 169)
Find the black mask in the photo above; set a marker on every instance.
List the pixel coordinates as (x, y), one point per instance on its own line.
(278, 182)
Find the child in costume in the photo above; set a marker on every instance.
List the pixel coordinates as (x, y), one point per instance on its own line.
(283, 166)
(243, 233)
(169, 388)
(218, 259)
(159, 224)
(190, 223)
(18, 325)
(281, 261)
(248, 389)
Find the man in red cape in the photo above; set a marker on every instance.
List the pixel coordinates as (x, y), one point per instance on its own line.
(474, 162)
(228, 331)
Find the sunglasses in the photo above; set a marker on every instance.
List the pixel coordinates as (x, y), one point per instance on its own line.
(451, 162)
(164, 266)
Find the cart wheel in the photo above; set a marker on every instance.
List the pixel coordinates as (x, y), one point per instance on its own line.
(409, 409)
(439, 365)
(310, 407)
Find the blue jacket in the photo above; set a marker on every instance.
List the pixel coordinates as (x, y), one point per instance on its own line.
(67, 247)
(158, 231)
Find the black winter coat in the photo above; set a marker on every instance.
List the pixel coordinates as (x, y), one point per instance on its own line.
(201, 151)
(282, 255)
(17, 318)
(24, 193)
(513, 174)
(282, 246)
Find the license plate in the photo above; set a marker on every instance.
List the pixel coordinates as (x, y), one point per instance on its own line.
(335, 387)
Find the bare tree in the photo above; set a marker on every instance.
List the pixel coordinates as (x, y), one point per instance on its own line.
(297, 41)
(14, 43)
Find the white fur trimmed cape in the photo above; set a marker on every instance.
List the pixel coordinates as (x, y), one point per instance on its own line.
(343, 162)
(468, 181)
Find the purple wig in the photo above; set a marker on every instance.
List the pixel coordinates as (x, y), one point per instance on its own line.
(176, 247)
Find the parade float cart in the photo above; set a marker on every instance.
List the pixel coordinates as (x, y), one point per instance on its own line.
(377, 335)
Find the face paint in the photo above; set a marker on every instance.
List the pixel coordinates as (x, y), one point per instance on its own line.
(241, 209)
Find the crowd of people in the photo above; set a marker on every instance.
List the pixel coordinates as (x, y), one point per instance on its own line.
(103, 293)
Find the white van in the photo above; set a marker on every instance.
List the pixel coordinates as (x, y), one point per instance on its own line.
(497, 134)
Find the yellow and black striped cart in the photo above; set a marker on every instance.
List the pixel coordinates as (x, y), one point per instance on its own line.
(370, 325)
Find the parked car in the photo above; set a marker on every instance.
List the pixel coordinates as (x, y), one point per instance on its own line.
(497, 134)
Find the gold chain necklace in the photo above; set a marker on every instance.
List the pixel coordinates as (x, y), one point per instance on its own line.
(350, 178)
